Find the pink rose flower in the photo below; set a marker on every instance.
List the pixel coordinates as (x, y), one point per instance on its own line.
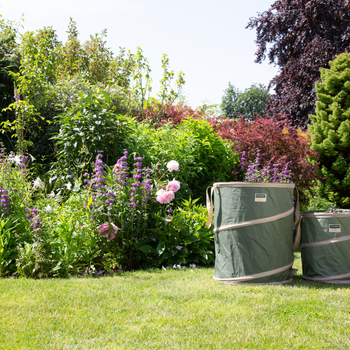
(173, 165)
(173, 186)
(169, 196)
(109, 229)
(161, 199)
(160, 192)
(165, 197)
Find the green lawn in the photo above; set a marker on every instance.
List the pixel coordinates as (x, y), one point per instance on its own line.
(175, 309)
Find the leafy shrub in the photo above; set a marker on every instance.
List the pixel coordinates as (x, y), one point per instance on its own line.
(183, 238)
(87, 126)
(330, 131)
(277, 142)
(159, 114)
(315, 202)
(204, 157)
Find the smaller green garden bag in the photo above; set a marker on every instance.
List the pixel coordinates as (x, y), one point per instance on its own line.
(325, 246)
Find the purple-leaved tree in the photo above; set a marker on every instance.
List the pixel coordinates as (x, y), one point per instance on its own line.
(300, 37)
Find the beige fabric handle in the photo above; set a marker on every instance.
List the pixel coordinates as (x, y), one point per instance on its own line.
(326, 215)
(298, 219)
(254, 222)
(210, 207)
(326, 242)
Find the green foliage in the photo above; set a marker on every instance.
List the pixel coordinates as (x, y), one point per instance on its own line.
(45, 60)
(140, 82)
(249, 102)
(50, 77)
(315, 202)
(7, 245)
(94, 60)
(204, 157)
(44, 236)
(167, 95)
(15, 191)
(67, 243)
(87, 126)
(9, 62)
(23, 116)
(229, 101)
(140, 102)
(330, 131)
(184, 239)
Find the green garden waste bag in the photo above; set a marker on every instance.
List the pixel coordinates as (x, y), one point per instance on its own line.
(325, 246)
(253, 231)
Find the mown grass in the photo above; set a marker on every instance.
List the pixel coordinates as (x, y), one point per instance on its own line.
(175, 309)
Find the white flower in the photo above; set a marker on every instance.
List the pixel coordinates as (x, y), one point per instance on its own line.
(69, 186)
(51, 195)
(48, 208)
(38, 183)
(15, 159)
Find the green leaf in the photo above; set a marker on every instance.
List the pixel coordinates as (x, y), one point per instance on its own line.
(160, 248)
(146, 249)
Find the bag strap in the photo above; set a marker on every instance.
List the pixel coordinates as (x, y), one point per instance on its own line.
(298, 217)
(210, 206)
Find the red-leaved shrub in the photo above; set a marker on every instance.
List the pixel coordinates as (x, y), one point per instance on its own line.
(159, 115)
(278, 143)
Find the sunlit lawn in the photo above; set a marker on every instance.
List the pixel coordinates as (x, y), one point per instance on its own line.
(175, 309)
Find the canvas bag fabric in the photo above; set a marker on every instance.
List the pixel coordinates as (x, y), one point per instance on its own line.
(253, 232)
(325, 246)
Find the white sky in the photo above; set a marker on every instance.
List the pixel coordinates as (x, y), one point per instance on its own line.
(205, 39)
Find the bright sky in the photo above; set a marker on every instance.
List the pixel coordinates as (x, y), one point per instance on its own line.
(205, 39)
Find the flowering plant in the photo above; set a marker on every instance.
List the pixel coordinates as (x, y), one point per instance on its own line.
(119, 202)
(124, 202)
(167, 195)
(254, 172)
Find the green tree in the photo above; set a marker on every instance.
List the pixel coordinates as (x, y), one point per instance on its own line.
(9, 62)
(330, 130)
(47, 66)
(249, 102)
(229, 100)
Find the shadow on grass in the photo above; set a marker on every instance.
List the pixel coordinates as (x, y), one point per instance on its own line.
(300, 282)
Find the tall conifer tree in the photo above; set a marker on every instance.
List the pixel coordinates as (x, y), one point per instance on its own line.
(330, 130)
